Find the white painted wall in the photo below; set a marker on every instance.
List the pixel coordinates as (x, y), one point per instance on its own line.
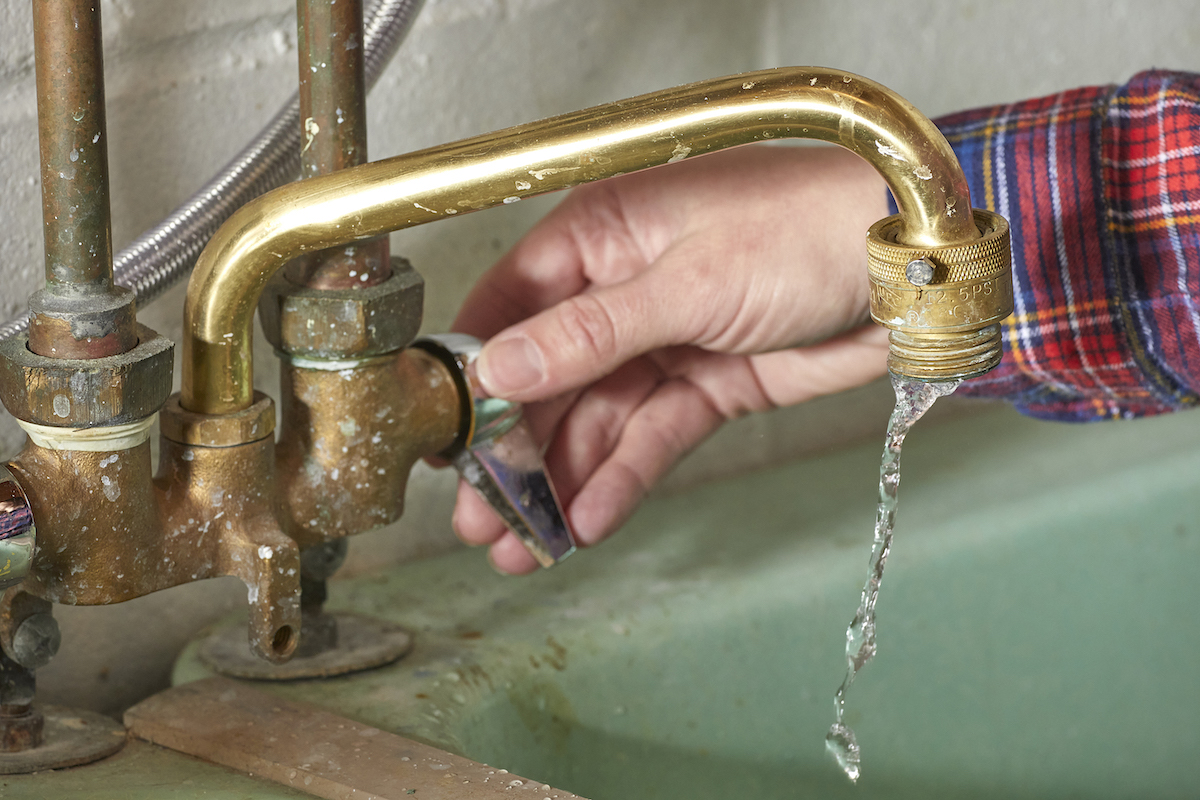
(190, 82)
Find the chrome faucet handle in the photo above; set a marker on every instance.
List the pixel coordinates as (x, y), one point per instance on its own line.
(16, 531)
(495, 453)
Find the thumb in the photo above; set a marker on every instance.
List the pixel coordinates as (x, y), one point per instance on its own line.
(583, 338)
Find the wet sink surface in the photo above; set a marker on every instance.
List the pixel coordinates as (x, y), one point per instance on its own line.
(1037, 633)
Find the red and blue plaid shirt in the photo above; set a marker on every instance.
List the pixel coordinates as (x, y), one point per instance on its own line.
(1102, 189)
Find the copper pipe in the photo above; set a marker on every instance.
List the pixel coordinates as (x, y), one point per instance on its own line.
(70, 90)
(80, 314)
(333, 120)
(358, 203)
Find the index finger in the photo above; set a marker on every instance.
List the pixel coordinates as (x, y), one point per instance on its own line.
(539, 271)
(584, 239)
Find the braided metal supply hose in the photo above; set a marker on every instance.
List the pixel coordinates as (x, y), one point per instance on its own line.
(165, 254)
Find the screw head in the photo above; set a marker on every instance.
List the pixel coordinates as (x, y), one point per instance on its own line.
(919, 271)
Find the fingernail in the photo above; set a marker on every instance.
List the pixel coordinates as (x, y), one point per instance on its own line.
(510, 365)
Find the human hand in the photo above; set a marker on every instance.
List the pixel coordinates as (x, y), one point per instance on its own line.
(646, 310)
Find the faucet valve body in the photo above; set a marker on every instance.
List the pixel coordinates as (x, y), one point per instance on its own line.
(947, 327)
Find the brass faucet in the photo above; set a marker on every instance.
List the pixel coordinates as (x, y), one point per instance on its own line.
(939, 273)
(934, 223)
(360, 405)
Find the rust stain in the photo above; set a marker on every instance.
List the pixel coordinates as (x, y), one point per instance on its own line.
(476, 676)
(559, 658)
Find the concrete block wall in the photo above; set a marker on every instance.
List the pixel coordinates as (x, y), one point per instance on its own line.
(189, 83)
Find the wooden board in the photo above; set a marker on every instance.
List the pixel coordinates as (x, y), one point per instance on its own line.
(233, 724)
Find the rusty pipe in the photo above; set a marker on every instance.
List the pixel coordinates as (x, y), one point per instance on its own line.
(503, 167)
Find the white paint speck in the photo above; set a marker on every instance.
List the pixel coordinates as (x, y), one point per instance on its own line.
(680, 152)
(111, 490)
(311, 129)
(265, 551)
(888, 150)
(540, 174)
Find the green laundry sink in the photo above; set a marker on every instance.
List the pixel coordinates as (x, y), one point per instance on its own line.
(1038, 633)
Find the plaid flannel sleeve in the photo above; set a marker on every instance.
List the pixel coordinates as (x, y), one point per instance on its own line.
(1102, 189)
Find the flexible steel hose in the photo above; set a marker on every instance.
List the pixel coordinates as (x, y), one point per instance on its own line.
(165, 254)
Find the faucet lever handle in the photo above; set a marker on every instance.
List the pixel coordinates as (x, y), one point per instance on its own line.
(17, 531)
(496, 454)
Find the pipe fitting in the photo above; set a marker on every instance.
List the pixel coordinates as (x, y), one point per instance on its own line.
(218, 430)
(945, 325)
(86, 392)
(343, 324)
(82, 326)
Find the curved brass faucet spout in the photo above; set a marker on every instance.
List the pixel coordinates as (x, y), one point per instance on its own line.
(503, 167)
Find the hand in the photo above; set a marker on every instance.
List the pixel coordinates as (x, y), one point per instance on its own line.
(646, 310)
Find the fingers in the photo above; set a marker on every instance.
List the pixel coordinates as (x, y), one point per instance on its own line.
(585, 238)
(584, 435)
(852, 359)
(589, 335)
(510, 557)
(473, 520)
(542, 269)
(612, 447)
(622, 434)
(668, 424)
(476, 524)
(589, 432)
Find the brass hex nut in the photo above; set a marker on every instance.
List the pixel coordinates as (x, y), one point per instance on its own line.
(251, 424)
(343, 323)
(86, 393)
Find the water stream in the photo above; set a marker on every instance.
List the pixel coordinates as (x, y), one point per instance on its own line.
(913, 399)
